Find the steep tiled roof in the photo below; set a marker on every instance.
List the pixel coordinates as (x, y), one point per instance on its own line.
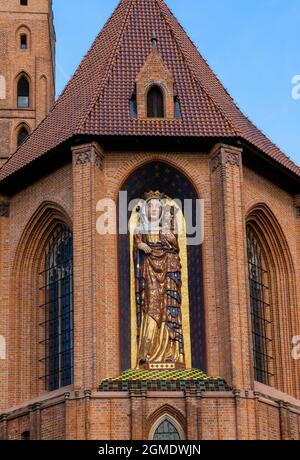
(96, 100)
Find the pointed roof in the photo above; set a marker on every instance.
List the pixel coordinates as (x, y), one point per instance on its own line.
(96, 100)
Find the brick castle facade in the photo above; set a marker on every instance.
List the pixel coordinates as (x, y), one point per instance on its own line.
(63, 354)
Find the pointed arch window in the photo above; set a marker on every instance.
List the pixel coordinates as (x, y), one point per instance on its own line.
(23, 42)
(155, 103)
(57, 311)
(23, 92)
(261, 311)
(22, 135)
(166, 431)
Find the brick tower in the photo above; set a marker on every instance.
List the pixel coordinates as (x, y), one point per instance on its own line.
(26, 69)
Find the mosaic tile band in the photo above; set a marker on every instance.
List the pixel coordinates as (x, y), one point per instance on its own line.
(134, 379)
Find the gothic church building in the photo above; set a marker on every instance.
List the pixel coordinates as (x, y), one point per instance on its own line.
(143, 114)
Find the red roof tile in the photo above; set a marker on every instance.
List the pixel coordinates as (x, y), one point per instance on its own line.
(96, 100)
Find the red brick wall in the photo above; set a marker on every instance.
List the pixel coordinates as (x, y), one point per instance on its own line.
(280, 204)
(72, 194)
(119, 416)
(19, 283)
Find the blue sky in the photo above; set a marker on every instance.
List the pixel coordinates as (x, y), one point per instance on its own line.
(252, 45)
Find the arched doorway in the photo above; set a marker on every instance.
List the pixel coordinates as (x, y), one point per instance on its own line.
(161, 176)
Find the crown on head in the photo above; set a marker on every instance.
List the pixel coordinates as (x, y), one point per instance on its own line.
(155, 195)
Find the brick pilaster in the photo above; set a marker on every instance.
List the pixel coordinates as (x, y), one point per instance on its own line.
(87, 185)
(230, 264)
(191, 407)
(35, 421)
(4, 307)
(284, 421)
(3, 428)
(138, 415)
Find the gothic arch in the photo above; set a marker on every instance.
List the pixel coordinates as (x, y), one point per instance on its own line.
(166, 412)
(16, 131)
(23, 30)
(24, 295)
(281, 270)
(18, 77)
(153, 175)
(175, 161)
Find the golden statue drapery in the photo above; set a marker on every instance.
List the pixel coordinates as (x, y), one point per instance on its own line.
(159, 258)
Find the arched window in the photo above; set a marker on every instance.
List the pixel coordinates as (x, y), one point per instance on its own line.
(24, 2)
(23, 92)
(57, 310)
(166, 431)
(261, 311)
(155, 103)
(23, 41)
(22, 135)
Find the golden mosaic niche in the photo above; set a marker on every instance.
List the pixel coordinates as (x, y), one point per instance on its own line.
(185, 309)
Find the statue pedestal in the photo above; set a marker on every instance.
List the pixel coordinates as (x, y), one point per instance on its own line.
(164, 380)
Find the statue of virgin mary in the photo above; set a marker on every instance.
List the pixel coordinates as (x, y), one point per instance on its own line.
(158, 286)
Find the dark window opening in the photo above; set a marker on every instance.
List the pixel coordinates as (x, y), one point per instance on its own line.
(57, 311)
(260, 311)
(133, 106)
(24, 2)
(22, 135)
(155, 103)
(25, 436)
(23, 40)
(23, 93)
(166, 431)
(177, 109)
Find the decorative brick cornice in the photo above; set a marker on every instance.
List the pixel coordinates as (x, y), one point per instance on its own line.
(35, 407)
(193, 393)
(137, 393)
(225, 155)
(4, 209)
(88, 154)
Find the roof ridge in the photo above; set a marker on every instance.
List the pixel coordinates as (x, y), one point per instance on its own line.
(190, 66)
(86, 114)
